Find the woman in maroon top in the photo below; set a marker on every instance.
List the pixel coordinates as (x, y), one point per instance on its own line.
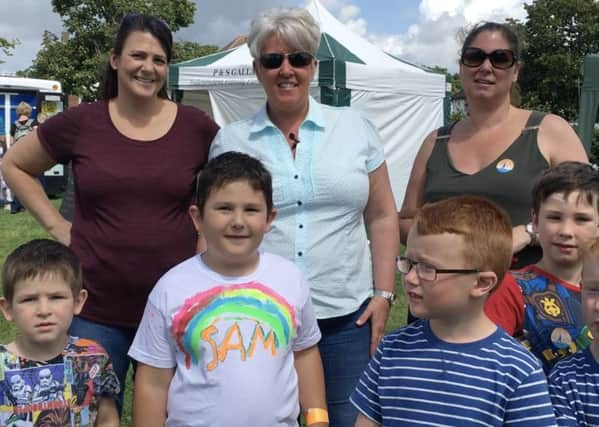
(135, 155)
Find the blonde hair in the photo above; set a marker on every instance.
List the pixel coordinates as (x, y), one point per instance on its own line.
(24, 109)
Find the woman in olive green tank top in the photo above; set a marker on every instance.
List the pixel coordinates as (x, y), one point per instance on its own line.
(499, 150)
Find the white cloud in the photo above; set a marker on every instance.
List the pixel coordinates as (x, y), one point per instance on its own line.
(432, 40)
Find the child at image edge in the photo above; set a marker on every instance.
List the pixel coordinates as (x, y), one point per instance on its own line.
(228, 337)
(46, 376)
(453, 367)
(540, 304)
(574, 381)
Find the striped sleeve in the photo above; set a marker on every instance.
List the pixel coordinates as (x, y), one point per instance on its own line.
(530, 403)
(558, 390)
(574, 390)
(366, 396)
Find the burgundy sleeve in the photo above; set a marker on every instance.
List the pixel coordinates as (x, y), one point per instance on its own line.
(58, 135)
(505, 306)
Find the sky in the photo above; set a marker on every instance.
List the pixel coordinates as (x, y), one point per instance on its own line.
(420, 31)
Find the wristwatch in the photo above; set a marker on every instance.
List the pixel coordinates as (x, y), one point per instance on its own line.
(389, 296)
(531, 233)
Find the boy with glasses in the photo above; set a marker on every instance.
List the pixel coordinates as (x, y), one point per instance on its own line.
(453, 367)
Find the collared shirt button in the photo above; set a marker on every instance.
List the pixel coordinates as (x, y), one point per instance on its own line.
(295, 176)
(301, 226)
(299, 202)
(300, 253)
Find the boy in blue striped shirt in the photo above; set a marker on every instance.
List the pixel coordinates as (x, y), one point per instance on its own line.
(453, 367)
(574, 381)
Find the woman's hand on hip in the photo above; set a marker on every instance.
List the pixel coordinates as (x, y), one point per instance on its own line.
(377, 312)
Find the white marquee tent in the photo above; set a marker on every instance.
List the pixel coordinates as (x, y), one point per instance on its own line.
(402, 100)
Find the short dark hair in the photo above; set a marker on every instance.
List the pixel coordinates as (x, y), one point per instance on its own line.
(37, 258)
(485, 226)
(131, 23)
(566, 178)
(508, 34)
(230, 167)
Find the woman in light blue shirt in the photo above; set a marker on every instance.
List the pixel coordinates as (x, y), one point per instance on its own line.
(332, 193)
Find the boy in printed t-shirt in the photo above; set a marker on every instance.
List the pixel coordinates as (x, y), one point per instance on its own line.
(46, 376)
(574, 381)
(454, 366)
(540, 304)
(228, 337)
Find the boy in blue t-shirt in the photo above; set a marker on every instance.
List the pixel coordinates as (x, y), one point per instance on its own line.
(453, 367)
(574, 381)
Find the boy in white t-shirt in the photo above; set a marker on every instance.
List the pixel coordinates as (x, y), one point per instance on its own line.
(228, 337)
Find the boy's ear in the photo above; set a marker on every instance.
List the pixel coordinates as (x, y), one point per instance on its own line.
(487, 280)
(79, 301)
(194, 213)
(6, 308)
(271, 217)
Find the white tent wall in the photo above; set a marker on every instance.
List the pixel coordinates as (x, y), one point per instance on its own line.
(403, 123)
(405, 107)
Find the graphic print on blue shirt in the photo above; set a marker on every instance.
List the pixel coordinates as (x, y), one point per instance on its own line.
(553, 327)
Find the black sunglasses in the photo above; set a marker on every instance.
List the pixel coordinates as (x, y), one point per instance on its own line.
(500, 58)
(296, 59)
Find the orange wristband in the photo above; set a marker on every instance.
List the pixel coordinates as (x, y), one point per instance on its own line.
(316, 415)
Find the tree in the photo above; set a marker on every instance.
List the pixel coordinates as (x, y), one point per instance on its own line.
(558, 33)
(6, 46)
(91, 24)
(184, 50)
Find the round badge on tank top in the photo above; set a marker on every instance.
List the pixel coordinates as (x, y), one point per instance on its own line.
(504, 166)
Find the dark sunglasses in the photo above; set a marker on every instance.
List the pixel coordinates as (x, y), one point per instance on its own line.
(296, 59)
(500, 58)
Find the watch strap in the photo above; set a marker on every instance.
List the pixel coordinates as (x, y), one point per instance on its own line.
(389, 296)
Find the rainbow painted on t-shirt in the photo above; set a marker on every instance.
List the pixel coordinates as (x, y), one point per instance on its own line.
(196, 319)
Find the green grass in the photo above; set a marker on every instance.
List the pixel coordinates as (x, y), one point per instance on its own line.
(20, 228)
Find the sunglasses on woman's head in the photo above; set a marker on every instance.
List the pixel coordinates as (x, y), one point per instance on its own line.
(500, 58)
(296, 59)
